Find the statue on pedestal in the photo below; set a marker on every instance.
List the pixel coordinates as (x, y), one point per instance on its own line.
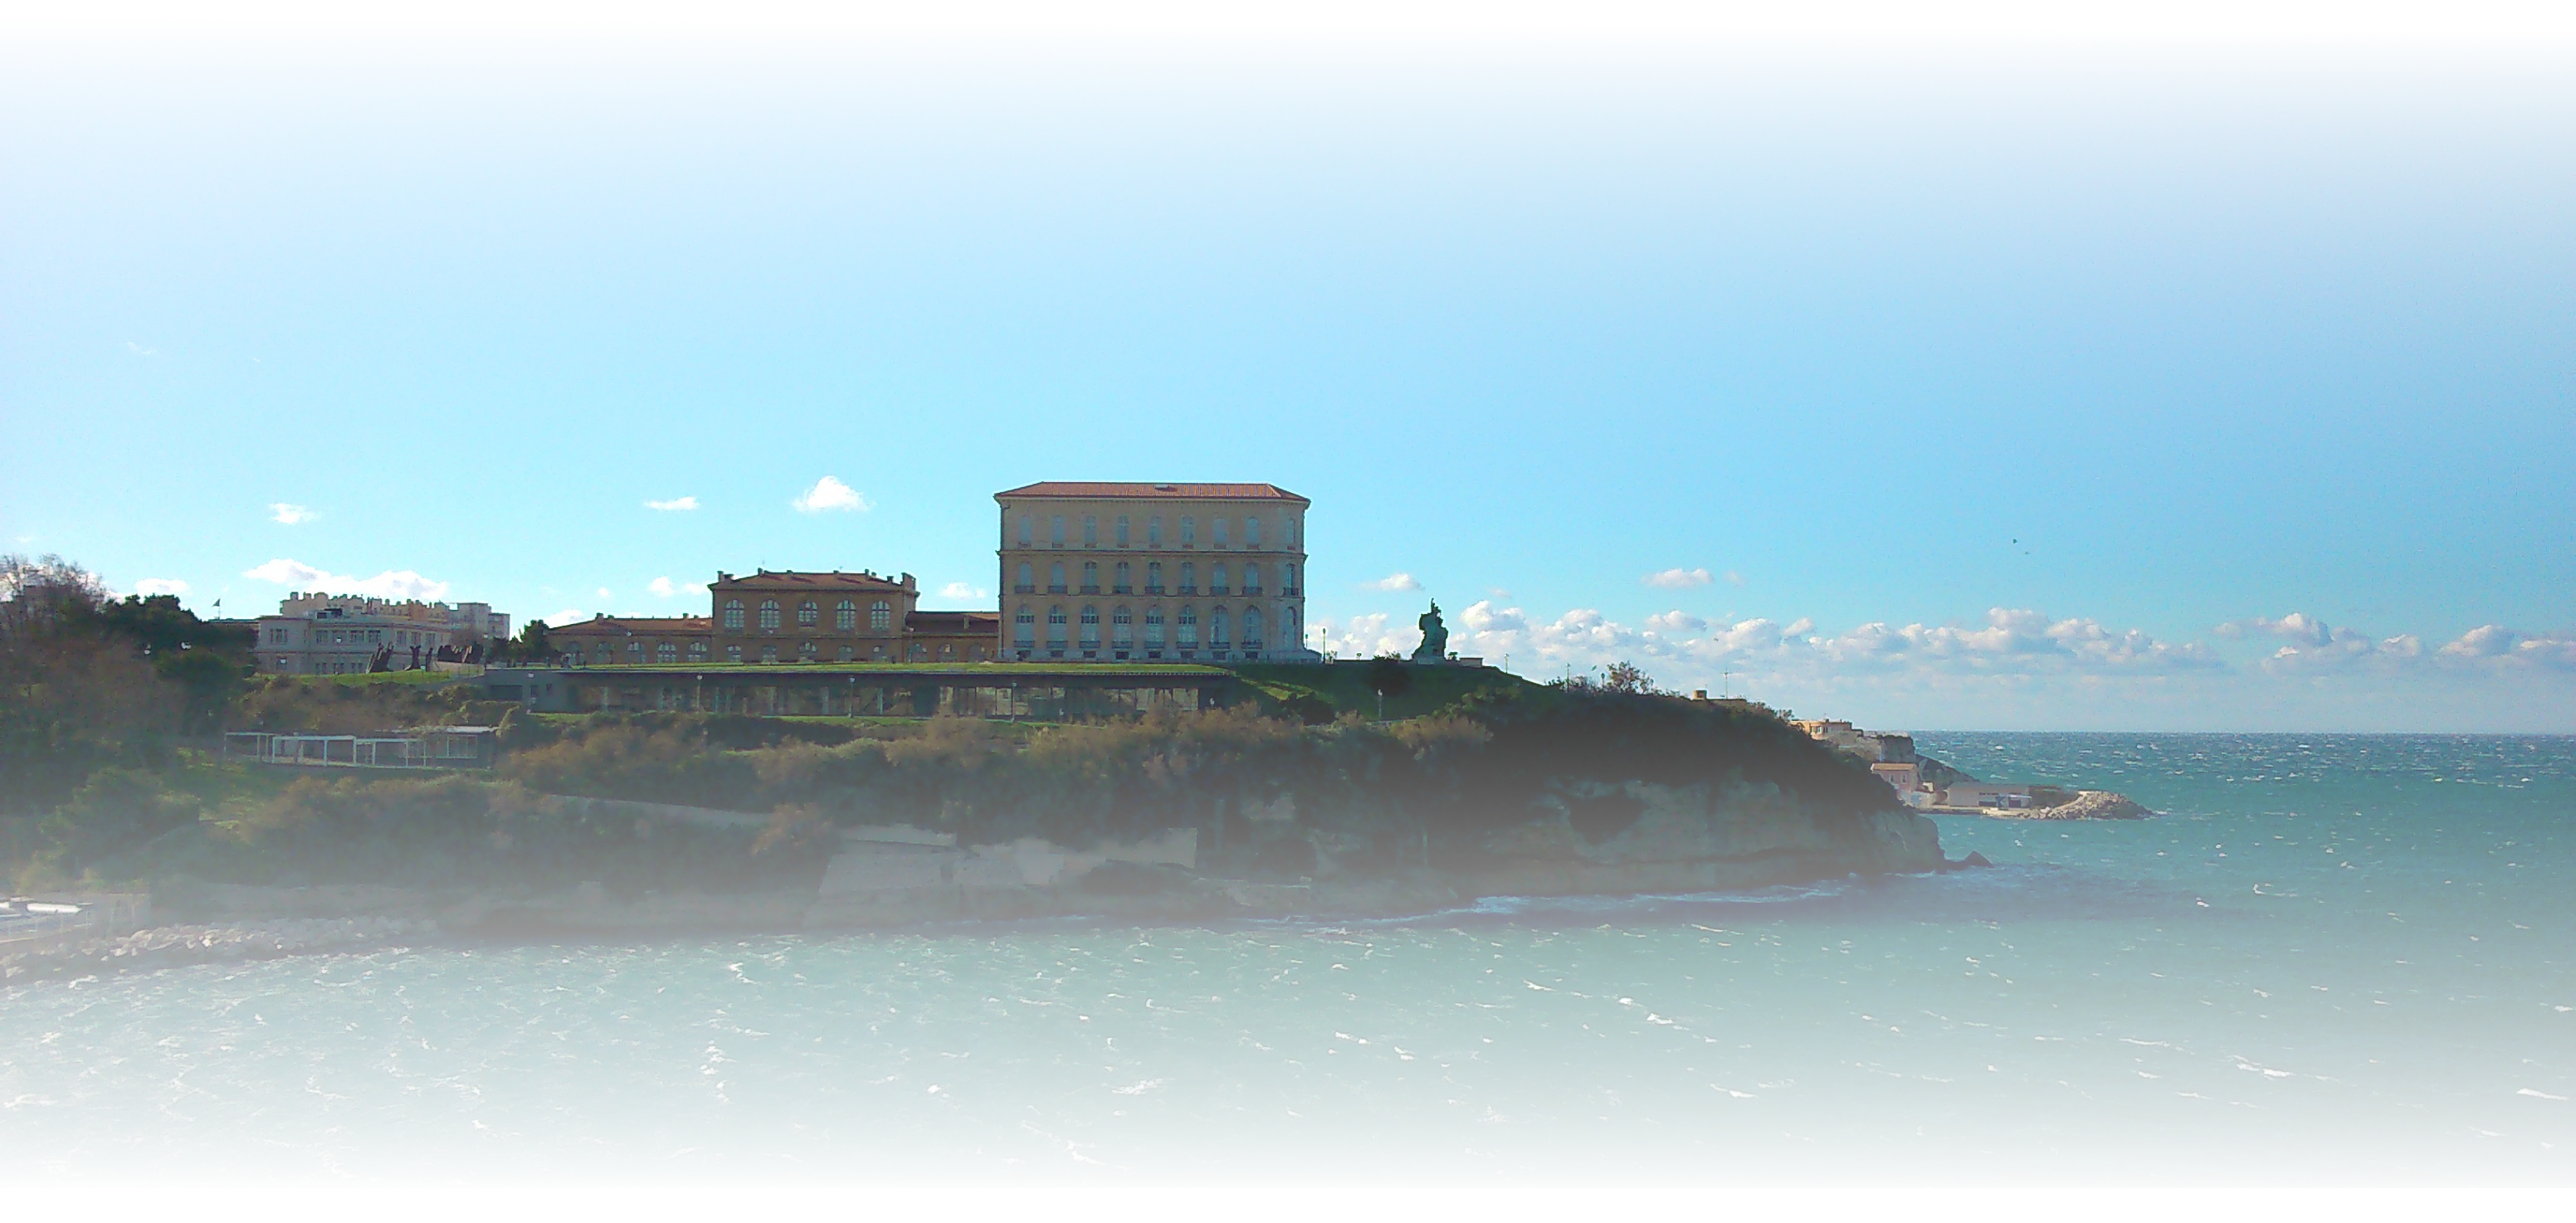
(1435, 637)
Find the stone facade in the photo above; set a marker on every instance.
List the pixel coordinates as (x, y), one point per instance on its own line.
(1111, 572)
(633, 641)
(811, 617)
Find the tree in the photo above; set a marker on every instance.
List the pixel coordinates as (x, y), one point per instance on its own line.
(1627, 676)
(1388, 677)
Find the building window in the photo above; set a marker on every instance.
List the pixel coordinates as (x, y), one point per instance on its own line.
(733, 653)
(847, 654)
(918, 651)
(1024, 530)
(876, 653)
(1189, 530)
(1252, 579)
(1123, 576)
(1216, 528)
(1153, 577)
(947, 652)
(769, 613)
(1028, 583)
(769, 653)
(807, 615)
(1290, 623)
(1055, 578)
(846, 616)
(1189, 577)
(667, 652)
(880, 616)
(1153, 632)
(1252, 628)
(1055, 629)
(1216, 579)
(697, 651)
(1090, 531)
(1091, 577)
(1025, 630)
(1122, 530)
(1187, 630)
(1288, 580)
(733, 614)
(805, 652)
(1216, 629)
(1252, 532)
(1122, 628)
(1090, 628)
(1055, 529)
(1154, 531)
(1292, 530)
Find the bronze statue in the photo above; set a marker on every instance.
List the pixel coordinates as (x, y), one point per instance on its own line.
(1435, 637)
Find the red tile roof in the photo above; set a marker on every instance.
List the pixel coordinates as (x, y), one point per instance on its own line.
(1109, 490)
(636, 624)
(819, 581)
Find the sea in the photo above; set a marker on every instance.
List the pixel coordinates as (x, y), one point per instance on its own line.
(2330, 959)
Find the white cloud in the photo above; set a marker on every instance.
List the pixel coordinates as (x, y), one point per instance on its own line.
(964, 591)
(160, 586)
(1393, 581)
(2312, 644)
(603, 594)
(1677, 579)
(2496, 643)
(280, 511)
(666, 588)
(391, 584)
(1675, 623)
(1363, 636)
(676, 503)
(829, 493)
(569, 615)
(1732, 578)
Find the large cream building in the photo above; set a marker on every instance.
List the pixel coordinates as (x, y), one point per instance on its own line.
(1107, 572)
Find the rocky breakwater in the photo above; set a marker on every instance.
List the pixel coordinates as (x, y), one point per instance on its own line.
(171, 946)
(2083, 805)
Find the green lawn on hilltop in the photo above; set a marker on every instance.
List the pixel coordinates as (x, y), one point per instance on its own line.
(1345, 686)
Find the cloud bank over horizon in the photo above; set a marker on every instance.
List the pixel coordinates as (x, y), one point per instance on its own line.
(2027, 669)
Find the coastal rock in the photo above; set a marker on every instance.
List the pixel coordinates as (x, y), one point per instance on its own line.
(170, 946)
(2086, 805)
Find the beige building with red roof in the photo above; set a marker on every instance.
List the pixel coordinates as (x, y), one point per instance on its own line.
(1113, 572)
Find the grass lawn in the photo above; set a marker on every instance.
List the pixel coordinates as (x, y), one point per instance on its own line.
(1344, 686)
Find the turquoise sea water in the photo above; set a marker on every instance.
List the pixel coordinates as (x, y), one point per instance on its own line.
(2337, 959)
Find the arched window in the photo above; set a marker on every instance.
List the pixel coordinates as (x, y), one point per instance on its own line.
(733, 614)
(1252, 532)
(1187, 630)
(1055, 628)
(805, 652)
(1122, 530)
(1124, 575)
(1216, 629)
(918, 651)
(604, 654)
(1122, 628)
(880, 616)
(733, 653)
(769, 653)
(697, 651)
(1028, 583)
(1252, 628)
(876, 653)
(1189, 577)
(1252, 579)
(947, 651)
(769, 613)
(845, 617)
(1091, 577)
(1292, 530)
(1216, 579)
(807, 615)
(667, 652)
(1090, 627)
(1296, 632)
(635, 652)
(1153, 577)
(848, 654)
(1153, 632)
(1055, 578)
(1025, 628)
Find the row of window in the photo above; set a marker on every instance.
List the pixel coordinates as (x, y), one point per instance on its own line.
(1189, 525)
(845, 617)
(1124, 582)
(1184, 626)
(605, 653)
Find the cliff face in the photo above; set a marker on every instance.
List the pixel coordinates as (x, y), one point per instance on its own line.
(1588, 838)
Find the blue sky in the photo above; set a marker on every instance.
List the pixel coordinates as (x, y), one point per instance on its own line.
(1953, 368)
